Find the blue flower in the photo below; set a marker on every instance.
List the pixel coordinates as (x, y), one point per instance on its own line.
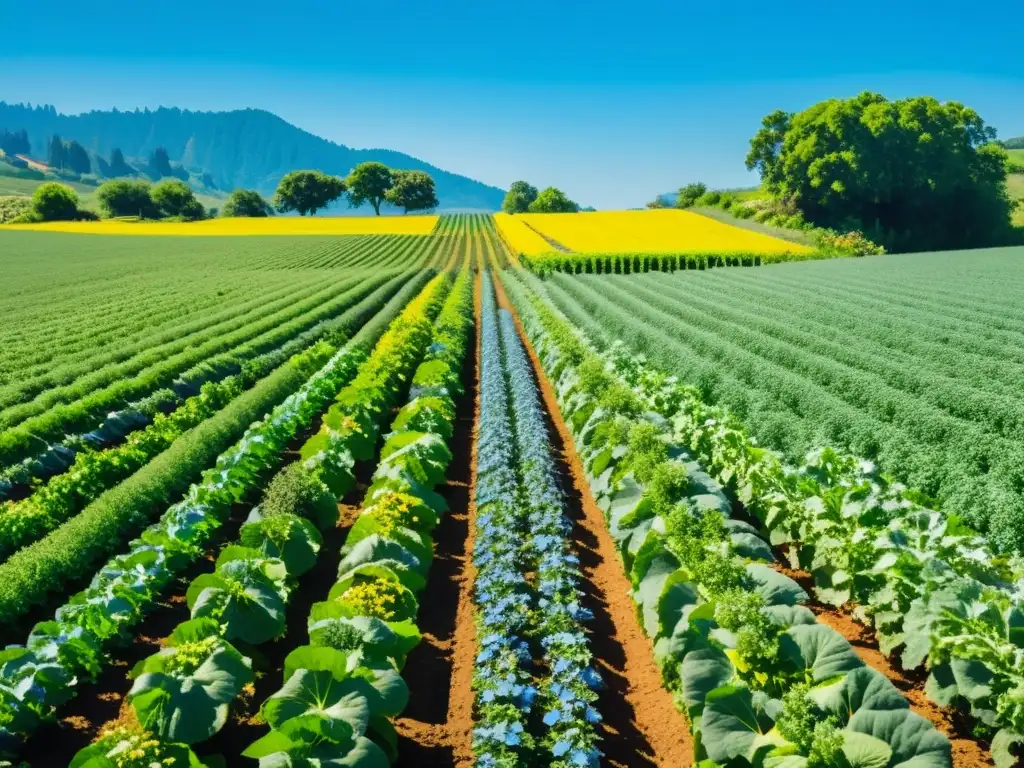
(552, 717)
(560, 748)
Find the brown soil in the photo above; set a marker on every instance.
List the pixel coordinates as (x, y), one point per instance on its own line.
(642, 726)
(967, 753)
(434, 729)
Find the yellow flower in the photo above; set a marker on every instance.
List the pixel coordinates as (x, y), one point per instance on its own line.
(658, 231)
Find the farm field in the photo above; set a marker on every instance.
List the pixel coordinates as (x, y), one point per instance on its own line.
(658, 231)
(225, 227)
(390, 498)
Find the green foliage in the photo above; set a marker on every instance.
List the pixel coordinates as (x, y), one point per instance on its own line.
(412, 191)
(296, 490)
(55, 202)
(126, 198)
(552, 200)
(369, 183)
(174, 198)
(246, 202)
(689, 194)
(13, 207)
(519, 198)
(912, 174)
(307, 192)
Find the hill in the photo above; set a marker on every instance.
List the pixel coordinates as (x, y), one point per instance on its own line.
(248, 148)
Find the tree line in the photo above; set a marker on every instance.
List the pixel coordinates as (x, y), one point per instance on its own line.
(303, 192)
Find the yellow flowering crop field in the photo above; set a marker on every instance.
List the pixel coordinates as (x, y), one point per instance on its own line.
(272, 225)
(658, 231)
(519, 237)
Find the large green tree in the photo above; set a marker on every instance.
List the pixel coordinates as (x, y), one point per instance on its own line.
(519, 197)
(412, 191)
(77, 158)
(55, 202)
(173, 197)
(246, 202)
(369, 183)
(307, 192)
(553, 200)
(126, 198)
(914, 174)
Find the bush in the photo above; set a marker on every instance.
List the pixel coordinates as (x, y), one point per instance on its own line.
(122, 197)
(726, 200)
(246, 202)
(55, 202)
(13, 207)
(763, 215)
(174, 198)
(689, 194)
(709, 198)
(742, 211)
(846, 244)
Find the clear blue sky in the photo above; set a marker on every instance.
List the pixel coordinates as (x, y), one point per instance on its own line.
(611, 101)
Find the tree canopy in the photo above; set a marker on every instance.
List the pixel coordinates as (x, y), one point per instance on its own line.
(55, 202)
(412, 191)
(913, 174)
(368, 183)
(246, 202)
(519, 197)
(690, 193)
(307, 191)
(126, 198)
(553, 200)
(173, 197)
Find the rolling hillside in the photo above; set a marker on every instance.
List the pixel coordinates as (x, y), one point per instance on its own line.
(245, 148)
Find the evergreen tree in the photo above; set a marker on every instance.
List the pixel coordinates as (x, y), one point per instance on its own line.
(57, 157)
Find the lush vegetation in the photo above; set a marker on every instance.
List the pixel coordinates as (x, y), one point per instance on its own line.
(250, 436)
(745, 657)
(912, 174)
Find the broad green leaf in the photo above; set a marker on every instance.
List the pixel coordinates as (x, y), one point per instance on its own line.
(731, 724)
(190, 708)
(862, 688)
(913, 740)
(774, 587)
(864, 751)
(818, 651)
(309, 692)
(702, 671)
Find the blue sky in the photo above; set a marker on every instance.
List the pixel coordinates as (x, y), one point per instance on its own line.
(612, 101)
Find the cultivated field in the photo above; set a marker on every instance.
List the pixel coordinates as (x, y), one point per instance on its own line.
(271, 225)
(659, 231)
(377, 495)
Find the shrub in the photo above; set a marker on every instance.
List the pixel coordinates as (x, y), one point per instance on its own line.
(709, 198)
(13, 208)
(846, 244)
(55, 202)
(174, 198)
(247, 202)
(122, 197)
(742, 211)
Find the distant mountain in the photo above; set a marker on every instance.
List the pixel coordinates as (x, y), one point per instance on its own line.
(248, 148)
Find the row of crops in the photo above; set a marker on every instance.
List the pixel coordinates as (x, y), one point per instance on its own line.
(534, 678)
